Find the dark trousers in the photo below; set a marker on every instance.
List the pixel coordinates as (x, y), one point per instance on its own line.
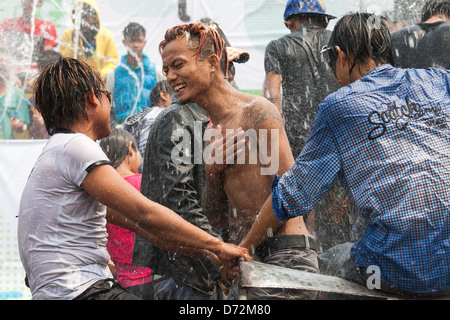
(107, 289)
(166, 288)
(337, 262)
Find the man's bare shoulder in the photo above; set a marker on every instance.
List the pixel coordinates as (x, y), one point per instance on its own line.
(262, 113)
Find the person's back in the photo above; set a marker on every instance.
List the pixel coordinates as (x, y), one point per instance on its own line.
(294, 64)
(306, 79)
(426, 44)
(423, 45)
(394, 157)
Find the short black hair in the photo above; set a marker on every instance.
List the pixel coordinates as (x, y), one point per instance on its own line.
(134, 29)
(115, 146)
(59, 91)
(156, 90)
(364, 36)
(435, 7)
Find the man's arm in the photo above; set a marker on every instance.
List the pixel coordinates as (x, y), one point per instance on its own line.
(265, 220)
(108, 187)
(273, 80)
(272, 89)
(117, 219)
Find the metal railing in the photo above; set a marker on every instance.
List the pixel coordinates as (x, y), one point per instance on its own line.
(259, 275)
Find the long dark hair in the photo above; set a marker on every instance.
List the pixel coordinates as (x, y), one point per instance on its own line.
(59, 91)
(363, 36)
(115, 146)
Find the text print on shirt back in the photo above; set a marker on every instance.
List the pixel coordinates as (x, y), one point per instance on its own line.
(432, 116)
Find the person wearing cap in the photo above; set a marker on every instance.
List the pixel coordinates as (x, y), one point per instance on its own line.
(179, 186)
(297, 78)
(386, 135)
(294, 63)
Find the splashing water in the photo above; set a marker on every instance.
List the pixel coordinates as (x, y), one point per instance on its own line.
(139, 82)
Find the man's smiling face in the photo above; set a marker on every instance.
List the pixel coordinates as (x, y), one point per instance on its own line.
(187, 76)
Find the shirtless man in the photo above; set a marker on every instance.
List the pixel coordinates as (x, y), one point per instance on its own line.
(194, 61)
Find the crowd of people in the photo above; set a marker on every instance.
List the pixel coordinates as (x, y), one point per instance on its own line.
(355, 172)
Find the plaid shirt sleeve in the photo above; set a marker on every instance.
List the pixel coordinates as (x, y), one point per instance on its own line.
(386, 136)
(302, 187)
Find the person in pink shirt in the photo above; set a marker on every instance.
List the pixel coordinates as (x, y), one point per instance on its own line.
(121, 148)
(26, 37)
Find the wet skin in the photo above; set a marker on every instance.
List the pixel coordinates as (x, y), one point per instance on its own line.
(245, 187)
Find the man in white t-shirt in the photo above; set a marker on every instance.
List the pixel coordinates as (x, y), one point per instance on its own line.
(62, 227)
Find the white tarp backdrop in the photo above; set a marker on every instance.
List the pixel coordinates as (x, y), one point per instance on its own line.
(248, 24)
(17, 158)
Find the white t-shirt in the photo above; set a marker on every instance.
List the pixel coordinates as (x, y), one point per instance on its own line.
(61, 228)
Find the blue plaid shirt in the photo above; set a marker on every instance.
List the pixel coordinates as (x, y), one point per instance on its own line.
(387, 138)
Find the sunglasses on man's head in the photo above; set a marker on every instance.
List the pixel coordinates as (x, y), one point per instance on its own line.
(106, 92)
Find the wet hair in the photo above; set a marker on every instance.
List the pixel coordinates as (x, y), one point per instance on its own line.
(115, 146)
(208, 41)
(133, 29)
(60, 89)
(435, 7)
(363, 36)
(46, 57)
(156, 90)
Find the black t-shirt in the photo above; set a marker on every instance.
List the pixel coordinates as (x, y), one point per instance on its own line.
(306, 78)
(421, 46)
